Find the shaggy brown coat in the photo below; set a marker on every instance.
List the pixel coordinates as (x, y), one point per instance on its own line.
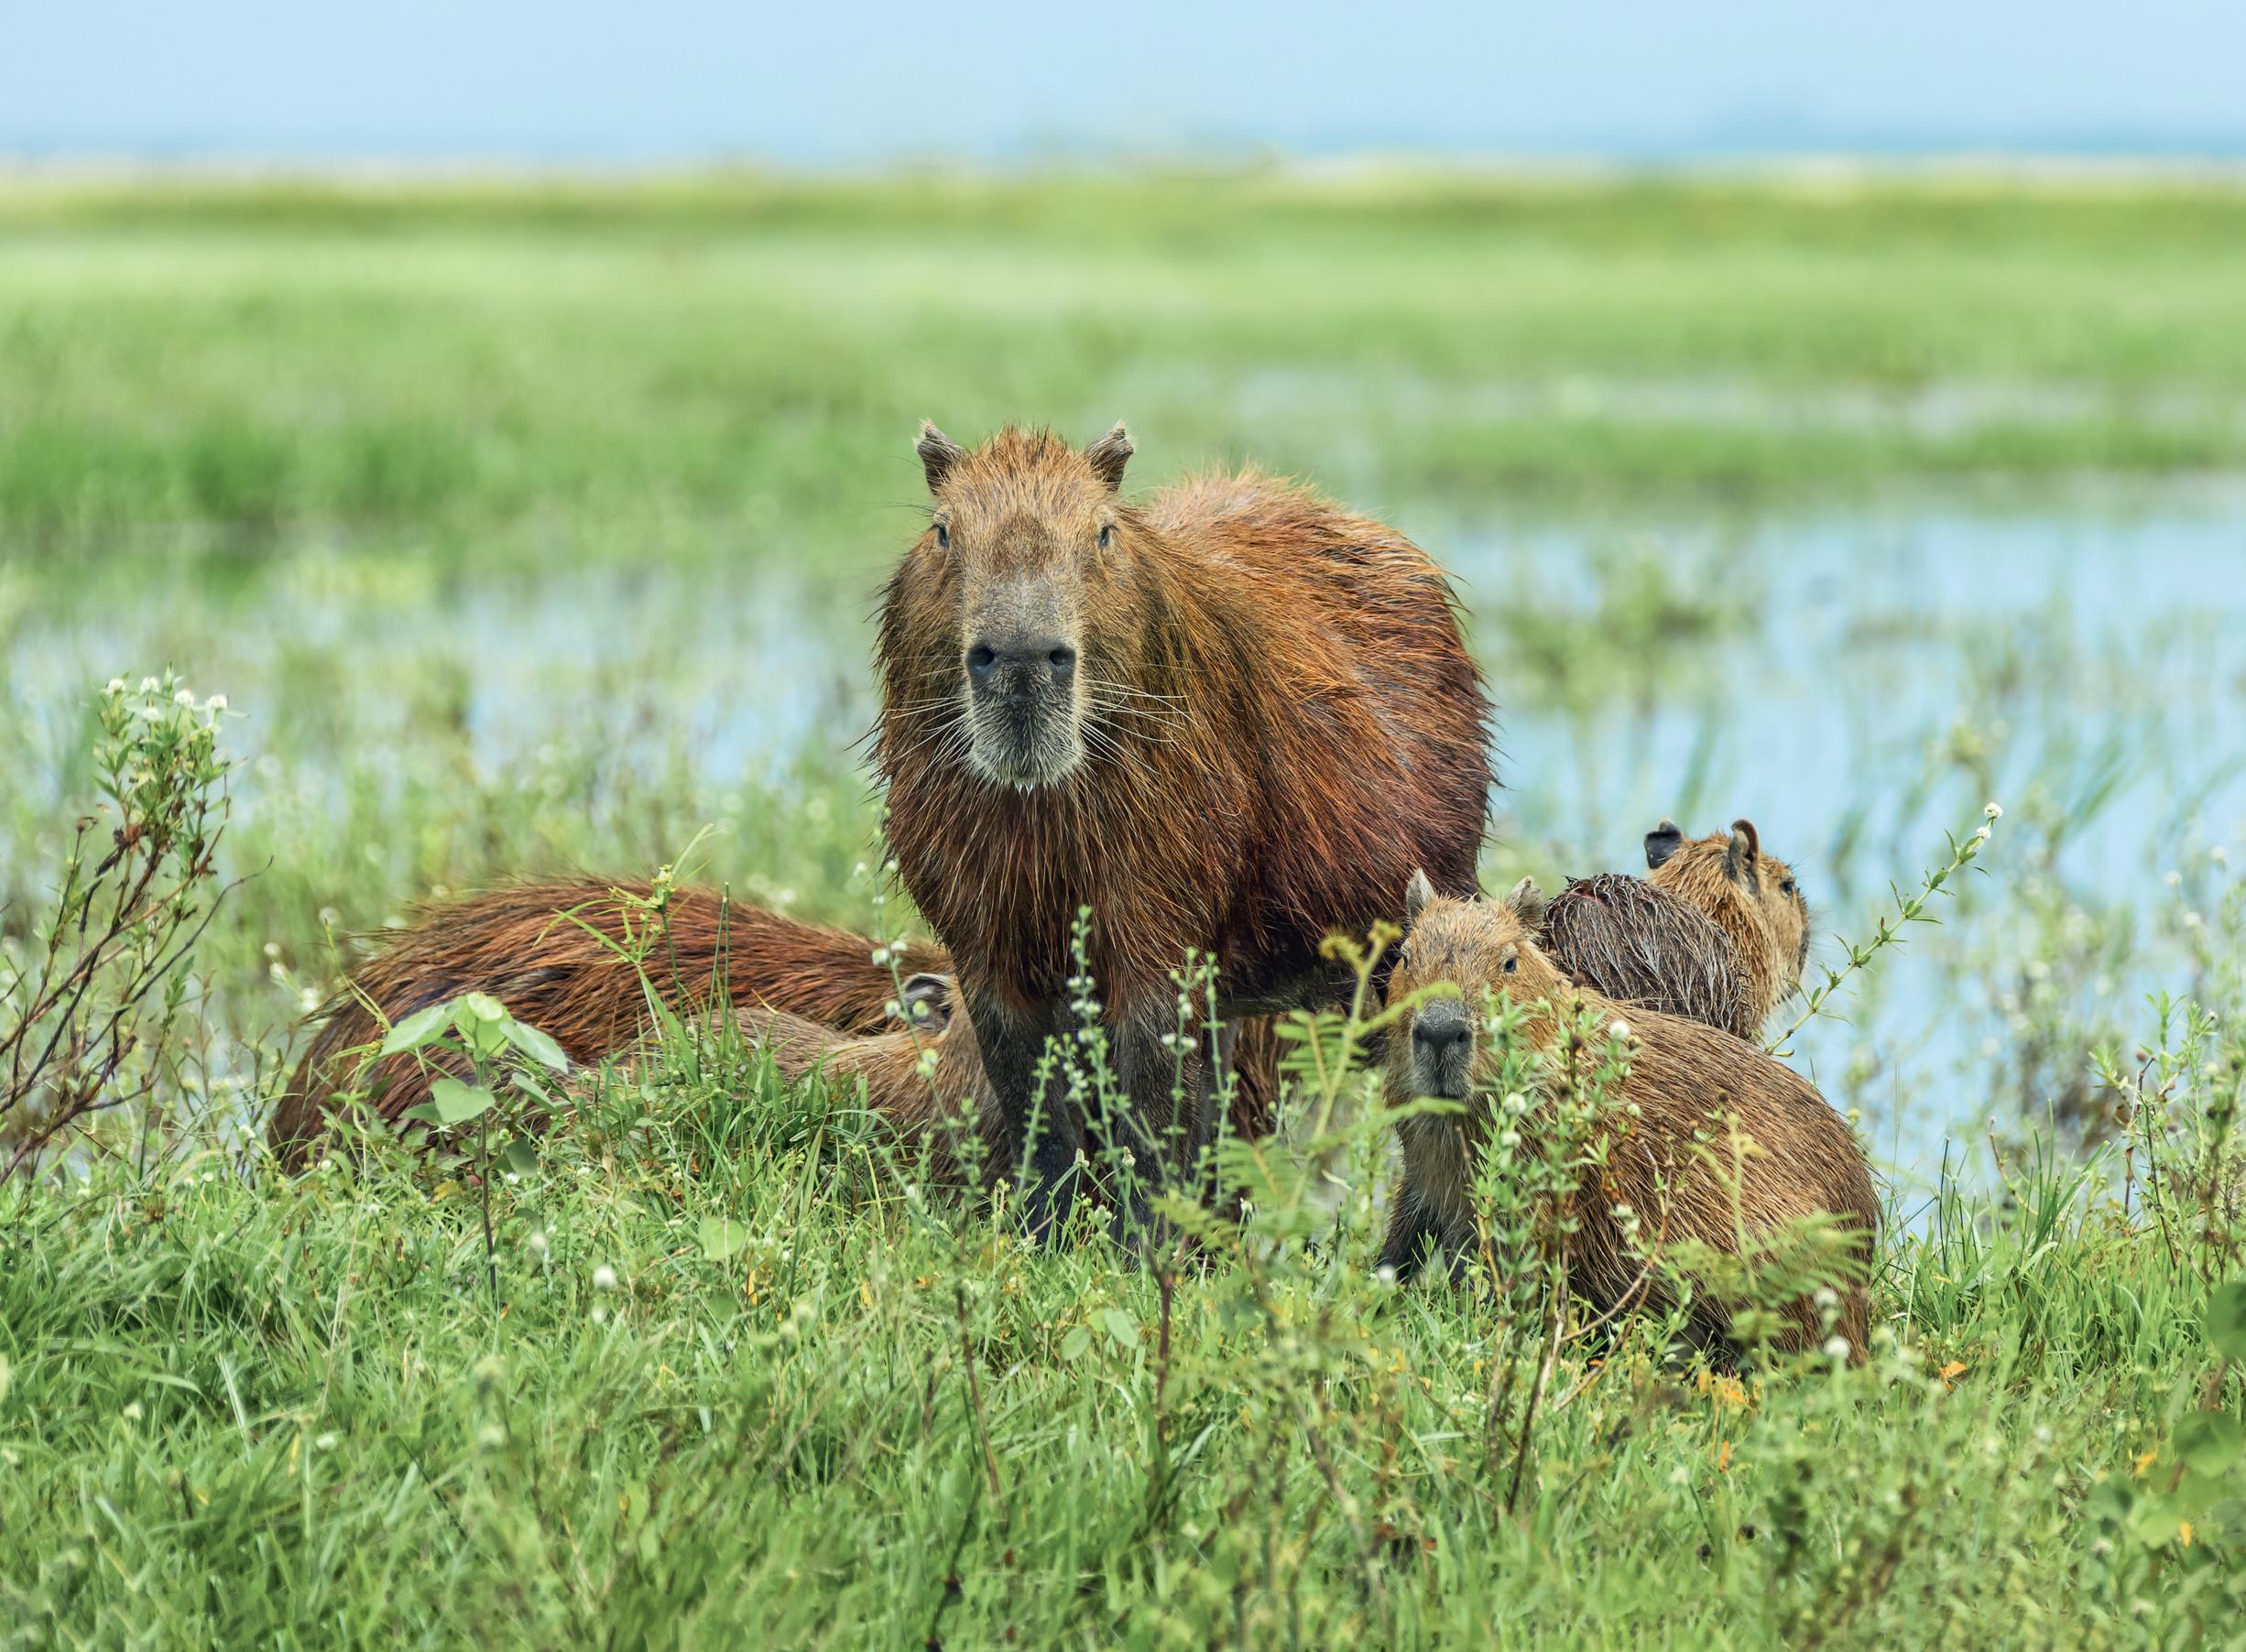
(1684, 1079)
(1262, 716)
(1718, 933)
(1644, 947)
(555, 954)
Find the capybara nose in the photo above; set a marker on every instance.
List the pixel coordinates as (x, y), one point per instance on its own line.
(1437, 1034)
(1018, 665)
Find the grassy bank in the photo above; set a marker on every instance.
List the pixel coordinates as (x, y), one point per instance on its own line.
(738, 1378)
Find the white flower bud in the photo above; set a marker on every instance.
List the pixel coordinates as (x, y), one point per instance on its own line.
(603, 1278)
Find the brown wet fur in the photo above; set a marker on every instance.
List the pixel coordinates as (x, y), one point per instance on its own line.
(1684, 1077)
(917, 1110)
(1754, 898)
(529, 946)
(1647, 948)
(1272, 719)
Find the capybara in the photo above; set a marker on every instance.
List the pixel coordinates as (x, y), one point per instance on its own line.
(555, 954)
(1715, 935)
(1751, 897)
(919, 1104)
(1685, 1079)
(1231, 720)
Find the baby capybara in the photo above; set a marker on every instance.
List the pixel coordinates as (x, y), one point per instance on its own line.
(1717, 933)
(1684, 1080)
(1231, 719)
(918, 1102)
(1751, 897)
(557, 955)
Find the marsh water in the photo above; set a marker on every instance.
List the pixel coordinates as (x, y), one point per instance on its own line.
(1858, 681)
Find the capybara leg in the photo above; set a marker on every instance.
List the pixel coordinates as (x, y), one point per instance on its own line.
(1040, 1134)
(1146, 1128)
(1414, 1238)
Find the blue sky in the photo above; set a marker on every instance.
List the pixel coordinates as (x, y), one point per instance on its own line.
(851, 82)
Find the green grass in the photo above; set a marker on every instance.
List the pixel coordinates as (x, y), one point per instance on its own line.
(532, 524)
(247, 1410)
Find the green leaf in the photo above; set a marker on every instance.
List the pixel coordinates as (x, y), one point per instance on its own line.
(520, 1157)
(2226, 1319)
(535, 1044)
(2154, 1521)
(1075, 1345)
(2209, 1441)
(722, 1237)
(484, 1007)
(458, 1102)
(1120, 1326)
(7, 1375)
(421, 1027)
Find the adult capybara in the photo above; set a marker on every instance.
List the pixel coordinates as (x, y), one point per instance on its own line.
(558, 955)
(1716, 934)
(1231, 719)
(925, 1100)
(1751, 897)
(1685, 1079)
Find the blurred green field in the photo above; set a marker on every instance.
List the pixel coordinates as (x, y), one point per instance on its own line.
(533, 525)
(494, 371)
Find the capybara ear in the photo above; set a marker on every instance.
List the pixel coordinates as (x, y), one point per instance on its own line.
(1417, 893)
(938, 454)
(1662, 842)
(1529, 902)
(1740, 857)
(1109, 455)
(927, 1002)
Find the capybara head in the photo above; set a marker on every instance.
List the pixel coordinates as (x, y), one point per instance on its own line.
(1480, 947)
(1729, 877)
(1018, 592)
(926, 1001)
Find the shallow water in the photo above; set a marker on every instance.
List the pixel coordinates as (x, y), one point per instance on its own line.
(1857, 681)
(1892, 671)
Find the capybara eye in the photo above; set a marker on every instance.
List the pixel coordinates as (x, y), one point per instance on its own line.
(1786, 887)
(1107, 536)
(1510, 965)
(944, 538)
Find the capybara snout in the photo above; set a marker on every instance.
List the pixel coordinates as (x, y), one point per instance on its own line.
(1443, 1049)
